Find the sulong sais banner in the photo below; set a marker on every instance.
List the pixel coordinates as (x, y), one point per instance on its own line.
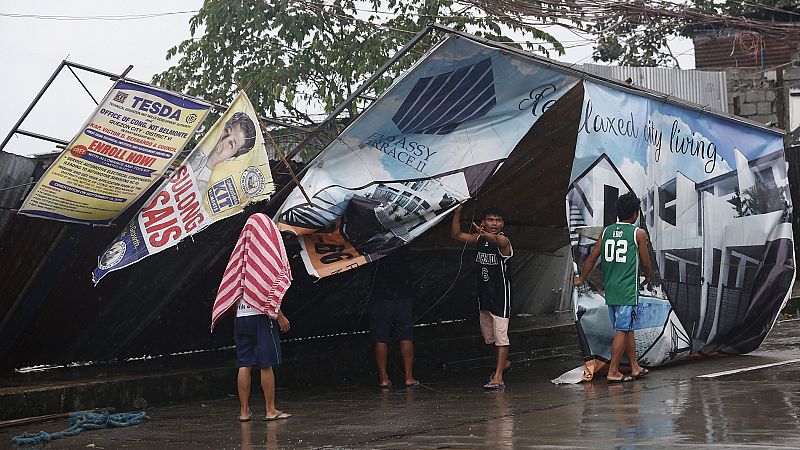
(226, 171)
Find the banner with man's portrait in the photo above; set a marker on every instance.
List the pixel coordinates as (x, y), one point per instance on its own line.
(226, 171)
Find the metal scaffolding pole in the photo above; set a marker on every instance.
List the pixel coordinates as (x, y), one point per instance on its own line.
(33, 104)
(358, 93)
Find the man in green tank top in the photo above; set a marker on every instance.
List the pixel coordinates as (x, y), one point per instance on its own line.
(621, 247)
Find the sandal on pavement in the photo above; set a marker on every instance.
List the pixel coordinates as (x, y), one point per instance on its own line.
(494, 386)
(624, 379)
(505, 374)
(279, 416)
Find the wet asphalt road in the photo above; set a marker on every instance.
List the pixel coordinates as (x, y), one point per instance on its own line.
(673, 407)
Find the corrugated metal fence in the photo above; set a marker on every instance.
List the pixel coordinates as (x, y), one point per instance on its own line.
(705, 88)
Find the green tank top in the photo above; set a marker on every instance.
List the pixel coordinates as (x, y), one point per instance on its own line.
(619, 259)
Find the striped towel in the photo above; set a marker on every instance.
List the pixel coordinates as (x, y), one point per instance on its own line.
(258, 271)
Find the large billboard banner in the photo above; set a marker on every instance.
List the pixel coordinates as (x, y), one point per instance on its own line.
(123, 149)
(426, 145)
(717, 212)
(226, 171)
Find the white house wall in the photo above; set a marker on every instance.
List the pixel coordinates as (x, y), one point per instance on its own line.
(593, 184)
(744, 174)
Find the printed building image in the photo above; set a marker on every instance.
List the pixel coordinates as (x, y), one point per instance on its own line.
(393, 211)
(709, 238)
(593, 196)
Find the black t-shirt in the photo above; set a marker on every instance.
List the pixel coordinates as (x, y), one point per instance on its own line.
(391, 276)
(494, 282)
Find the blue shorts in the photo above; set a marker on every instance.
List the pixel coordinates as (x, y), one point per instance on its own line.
(258, 341)
(622, 316)
(390, 320)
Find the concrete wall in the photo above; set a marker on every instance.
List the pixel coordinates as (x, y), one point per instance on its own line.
(762, 96)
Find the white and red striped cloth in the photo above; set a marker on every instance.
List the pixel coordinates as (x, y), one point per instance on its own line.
(258, 271)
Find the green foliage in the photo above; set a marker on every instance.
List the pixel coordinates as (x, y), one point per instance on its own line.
(761, 199)
(306, 57)
(643, 39)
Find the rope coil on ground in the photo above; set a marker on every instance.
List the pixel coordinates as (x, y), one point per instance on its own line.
(83, 421)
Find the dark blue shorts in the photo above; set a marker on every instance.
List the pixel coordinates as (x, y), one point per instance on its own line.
(258, 341)
(390, 320)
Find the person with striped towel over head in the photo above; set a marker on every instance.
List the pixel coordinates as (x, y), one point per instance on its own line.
(255, 280)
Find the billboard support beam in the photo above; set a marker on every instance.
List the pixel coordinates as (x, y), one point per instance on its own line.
(33, 104)
(113, 77)
(42, 137)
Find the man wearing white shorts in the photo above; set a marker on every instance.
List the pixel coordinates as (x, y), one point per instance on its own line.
(494, 284)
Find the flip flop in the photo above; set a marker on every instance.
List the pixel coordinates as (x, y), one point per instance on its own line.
(248, 418)
(280, 416)
(416, 383)
(385, 386)
(642, 374)
(494, 386)
(491, 375)
(624, 379)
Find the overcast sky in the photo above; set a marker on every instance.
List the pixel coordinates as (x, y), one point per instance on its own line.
(31, 48)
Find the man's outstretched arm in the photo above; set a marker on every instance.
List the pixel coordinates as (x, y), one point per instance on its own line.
(455, 229)
(499, 240)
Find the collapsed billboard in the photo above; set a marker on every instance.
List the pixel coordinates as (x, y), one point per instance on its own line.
(123, 148)
(226, 171)
(428, 144)
(716, 208)
(714, 191)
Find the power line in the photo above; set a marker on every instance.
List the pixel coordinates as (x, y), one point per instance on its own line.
(101, 17)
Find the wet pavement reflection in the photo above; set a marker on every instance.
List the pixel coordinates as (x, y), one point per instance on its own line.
(669, 408)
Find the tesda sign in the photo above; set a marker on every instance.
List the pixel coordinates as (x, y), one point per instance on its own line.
(124, 147)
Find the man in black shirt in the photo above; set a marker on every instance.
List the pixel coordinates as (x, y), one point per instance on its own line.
(494, 284)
